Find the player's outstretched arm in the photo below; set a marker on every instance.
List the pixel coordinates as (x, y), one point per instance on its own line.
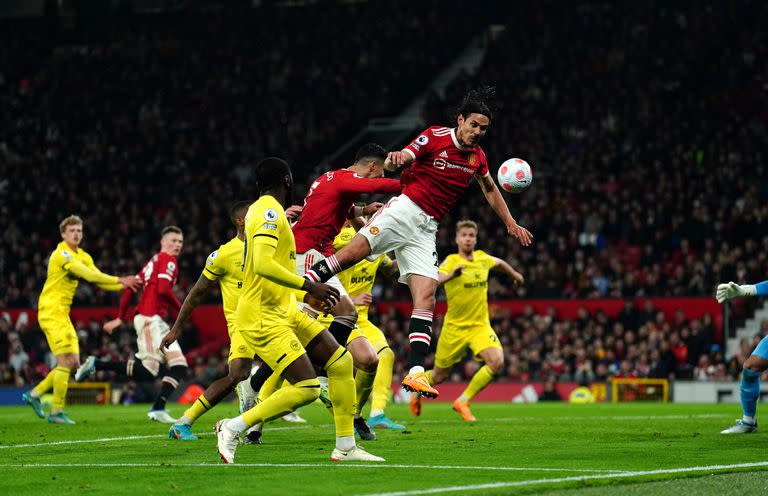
(509, 270)
(193, 299)
(496, 201)
(95, 276)
(263, 255)
(732, 290)
(395, 160)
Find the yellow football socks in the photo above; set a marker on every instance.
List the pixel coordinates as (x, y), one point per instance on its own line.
(363, 385)
(341, 389)
(60, 385)
(482, 378)
(271, 385)
(199, 407)
(282, 401)
(382, 384)
(45, 385)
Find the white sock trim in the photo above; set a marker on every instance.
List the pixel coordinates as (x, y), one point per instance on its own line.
(345, 443)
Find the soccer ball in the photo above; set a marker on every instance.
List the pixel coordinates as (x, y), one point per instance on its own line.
(515, 175)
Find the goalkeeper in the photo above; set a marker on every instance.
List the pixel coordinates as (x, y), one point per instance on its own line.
(754, 366)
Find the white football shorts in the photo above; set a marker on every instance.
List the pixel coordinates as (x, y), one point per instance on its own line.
(403, 227)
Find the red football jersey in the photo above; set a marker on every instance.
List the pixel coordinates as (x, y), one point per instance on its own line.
(327, 203)
(442, 170)
(155, 299)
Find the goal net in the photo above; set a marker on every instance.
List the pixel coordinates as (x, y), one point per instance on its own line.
(89, 393)
(651, 390)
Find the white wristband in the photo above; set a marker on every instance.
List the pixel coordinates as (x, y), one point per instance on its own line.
(358, 211)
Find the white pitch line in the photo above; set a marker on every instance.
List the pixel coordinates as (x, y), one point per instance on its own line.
(590, 417)
(578, 478)
(309, 465)
(124, 438)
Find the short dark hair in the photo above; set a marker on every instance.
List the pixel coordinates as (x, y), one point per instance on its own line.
(370, 151)
(270, 172)
(238, 209)
(171, 229)
(478, 101)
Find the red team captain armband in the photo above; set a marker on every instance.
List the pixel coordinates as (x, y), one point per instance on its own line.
(441, 170)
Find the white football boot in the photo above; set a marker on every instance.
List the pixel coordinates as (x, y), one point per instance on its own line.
(294, 418)
(741, 427)
(162, 416)
(356, 454)
(226, 441)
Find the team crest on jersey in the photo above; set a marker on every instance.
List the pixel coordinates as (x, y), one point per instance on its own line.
(270, 214)
(374, 230)
(422, 140)
(472, 159)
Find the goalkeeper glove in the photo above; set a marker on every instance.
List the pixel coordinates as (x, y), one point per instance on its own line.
(733, 290)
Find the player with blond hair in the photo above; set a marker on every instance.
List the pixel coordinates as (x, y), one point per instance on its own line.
(467, 324)
(66, 266)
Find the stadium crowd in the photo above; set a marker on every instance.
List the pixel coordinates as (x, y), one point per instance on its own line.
(646, 135)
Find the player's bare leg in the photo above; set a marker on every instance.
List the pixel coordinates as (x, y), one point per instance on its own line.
(420, 334)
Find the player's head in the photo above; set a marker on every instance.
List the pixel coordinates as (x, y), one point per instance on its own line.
(466, 235)
(171, 240)
(273, 175)
(71, 230)
(369, 160)
(237, 213)
(474, 115)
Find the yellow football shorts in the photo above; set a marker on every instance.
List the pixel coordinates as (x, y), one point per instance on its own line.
(277, 345)
(60, 333)
(454, 341)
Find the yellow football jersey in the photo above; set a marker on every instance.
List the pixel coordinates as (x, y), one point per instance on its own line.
(262, 302)
(468, 293)
(61, 284)
(360, 277)
(226, 266)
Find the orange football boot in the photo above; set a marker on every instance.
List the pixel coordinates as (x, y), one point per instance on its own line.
(416, 404)
(463, 408)
(418, 383)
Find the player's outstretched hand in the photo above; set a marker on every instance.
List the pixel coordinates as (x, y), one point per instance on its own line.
(522, 234)
(113, 324)
(131, 282)
(395, 160)
(327, 295)
(729, 291)
(293, 212)
(372, 208)
(169, 339)
(457, 271)
(518, 278)
(363, 299)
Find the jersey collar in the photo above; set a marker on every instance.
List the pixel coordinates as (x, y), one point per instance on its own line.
(456, 141)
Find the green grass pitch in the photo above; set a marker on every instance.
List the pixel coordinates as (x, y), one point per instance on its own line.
(553, 449)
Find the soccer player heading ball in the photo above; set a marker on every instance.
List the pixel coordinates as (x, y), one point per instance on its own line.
(443, 162)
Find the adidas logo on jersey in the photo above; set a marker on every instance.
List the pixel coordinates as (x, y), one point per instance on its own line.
(443, 154)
